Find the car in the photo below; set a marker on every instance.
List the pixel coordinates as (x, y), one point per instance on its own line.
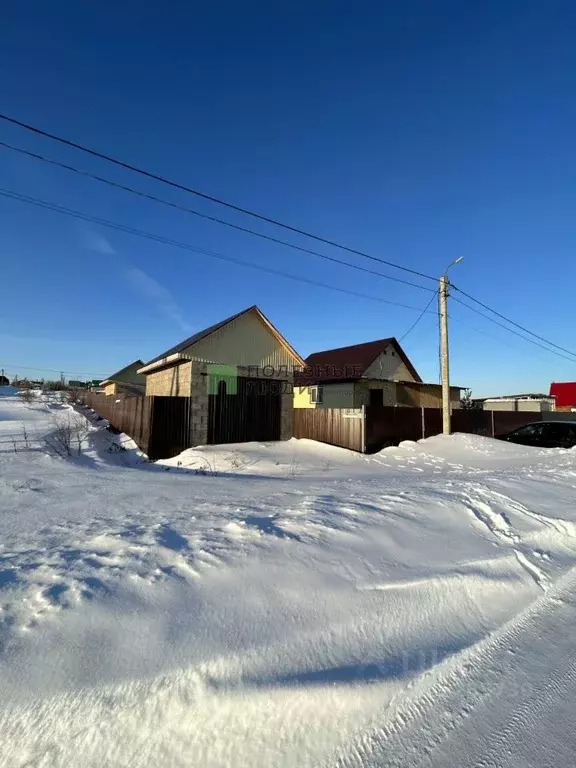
(544, 434)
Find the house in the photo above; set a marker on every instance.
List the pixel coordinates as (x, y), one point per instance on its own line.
(375, 373)
(564, 394)
(238, 374)
(531, 402)
(126, 381)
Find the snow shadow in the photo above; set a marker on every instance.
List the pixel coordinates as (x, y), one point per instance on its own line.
(404, 665)
(268, 525)
(8, 576)
(171, 539)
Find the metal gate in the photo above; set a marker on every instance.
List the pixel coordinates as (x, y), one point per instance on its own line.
(169, 426)
(253, 412)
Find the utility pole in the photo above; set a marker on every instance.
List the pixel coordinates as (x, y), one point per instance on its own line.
(445, 355)
(444, 348)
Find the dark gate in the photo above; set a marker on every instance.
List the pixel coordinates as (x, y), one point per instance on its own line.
(170, 426)
(253, 412)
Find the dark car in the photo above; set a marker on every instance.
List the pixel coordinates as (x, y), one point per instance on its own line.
(544, 434)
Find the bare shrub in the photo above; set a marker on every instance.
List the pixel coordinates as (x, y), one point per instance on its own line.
(28, 396)
(22, 444)
(237, 461)
(208, 469)
(25, 438)
(70, 432)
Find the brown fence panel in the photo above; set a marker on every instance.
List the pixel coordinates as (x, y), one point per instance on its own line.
(473, 421)
(160, 426)
(432, 422)
(170, 426)
(336, 426)
(252, 412)
(131, 415)
(390, 425)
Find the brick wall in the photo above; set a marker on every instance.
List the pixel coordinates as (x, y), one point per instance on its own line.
(199, 405)
(174, 381)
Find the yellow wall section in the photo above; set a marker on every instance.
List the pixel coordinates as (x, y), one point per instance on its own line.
(338, 395)
(302, 397)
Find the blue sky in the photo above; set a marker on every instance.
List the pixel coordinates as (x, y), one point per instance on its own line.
(414, 131)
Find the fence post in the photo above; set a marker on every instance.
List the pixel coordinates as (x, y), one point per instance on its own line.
(423, 423)
(492, 412)
(363, 447)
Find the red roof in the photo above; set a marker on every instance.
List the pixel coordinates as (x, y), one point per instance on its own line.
(348, 363)
(564, 392)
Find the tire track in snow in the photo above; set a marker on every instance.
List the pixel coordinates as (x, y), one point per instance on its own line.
(448, 695)
(560, 526)
(499, 524)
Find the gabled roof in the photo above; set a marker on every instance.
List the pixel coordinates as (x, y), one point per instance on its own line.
(114, 376)
(350, 363)
(173, 355)
(564, 392)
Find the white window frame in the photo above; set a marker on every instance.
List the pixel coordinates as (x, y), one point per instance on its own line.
(317, 395)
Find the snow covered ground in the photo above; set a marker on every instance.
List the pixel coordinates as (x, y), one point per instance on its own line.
(287, 604)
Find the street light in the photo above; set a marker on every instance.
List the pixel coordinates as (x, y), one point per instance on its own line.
(445, 357)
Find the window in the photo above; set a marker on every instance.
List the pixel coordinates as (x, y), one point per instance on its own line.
(531, 430)
(316, 394)
(560, 433)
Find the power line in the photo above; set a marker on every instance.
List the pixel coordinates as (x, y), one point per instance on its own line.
(507, 319)
(420, 316)
(51, 370)
(177, 244)
(511, 330)
(204, 196)
(185, 209)
(498, 339)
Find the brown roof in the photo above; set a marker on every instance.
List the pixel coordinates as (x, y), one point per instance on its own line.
(349, 363)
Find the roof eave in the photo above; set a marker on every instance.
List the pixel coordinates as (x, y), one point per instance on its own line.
(163, 363)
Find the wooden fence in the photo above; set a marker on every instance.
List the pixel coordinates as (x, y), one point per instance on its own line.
(377, 426)
(160, 426)
(337, 426)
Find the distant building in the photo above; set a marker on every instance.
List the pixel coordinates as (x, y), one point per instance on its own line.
(374, 373)
(126, 381)
(533, 402)
(564, 394)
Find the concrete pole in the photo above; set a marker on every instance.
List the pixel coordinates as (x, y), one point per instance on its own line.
(444, 355)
